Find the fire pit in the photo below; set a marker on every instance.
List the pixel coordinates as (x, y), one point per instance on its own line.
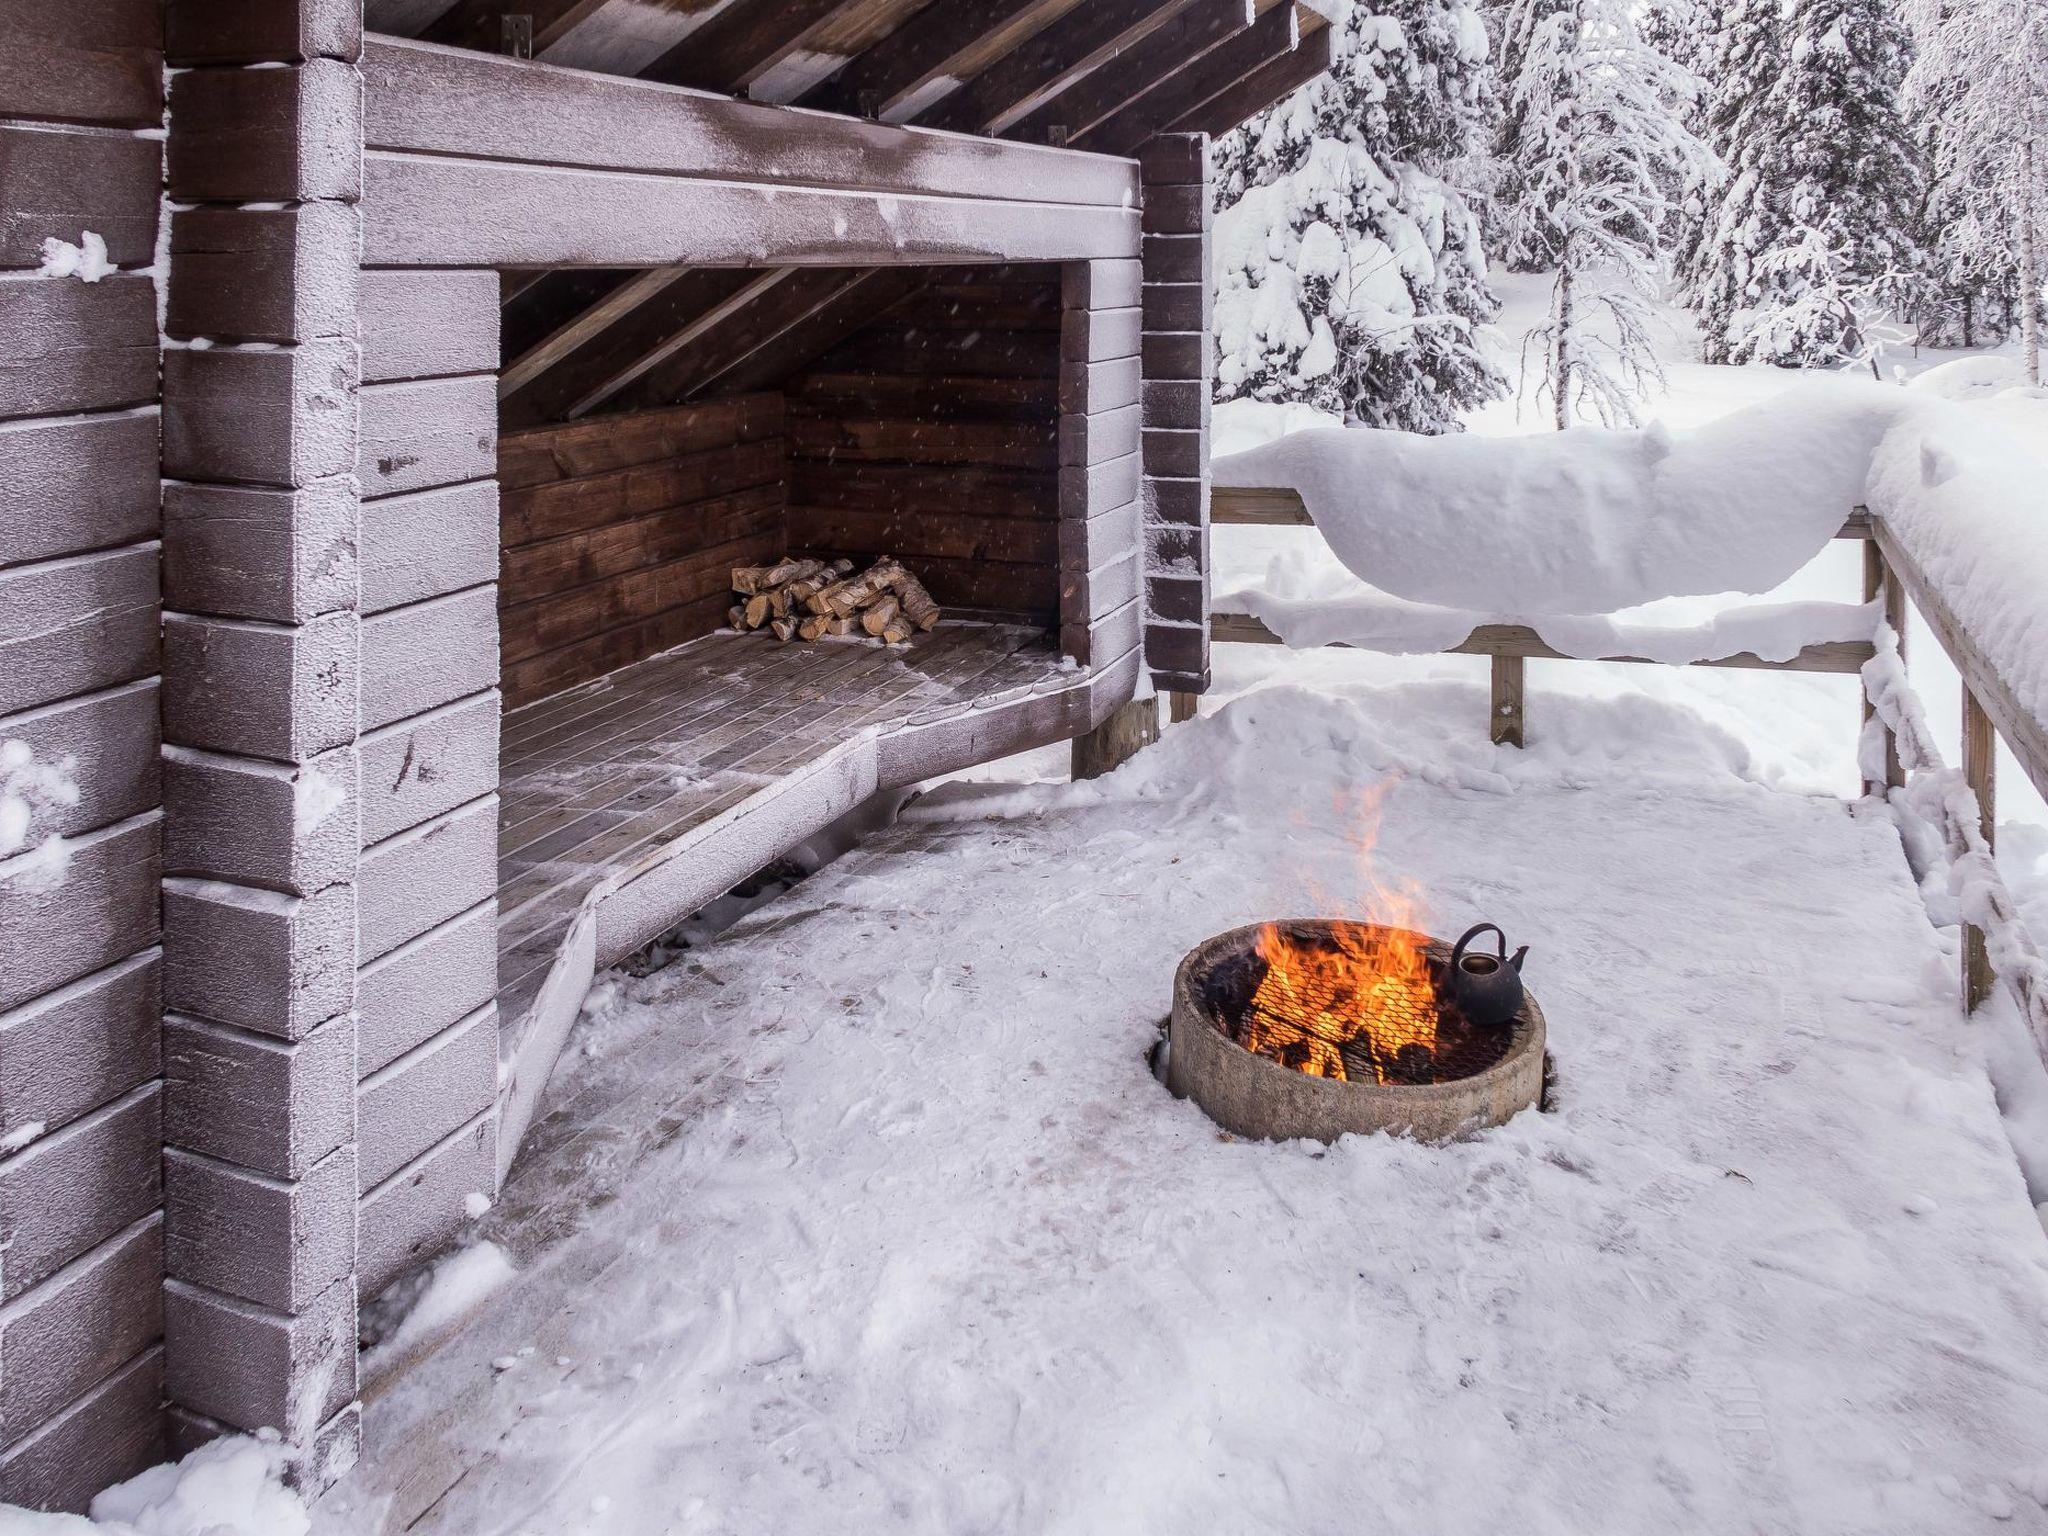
(1315, 1027)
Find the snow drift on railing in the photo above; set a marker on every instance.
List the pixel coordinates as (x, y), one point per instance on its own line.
(1964, 488)
(1557, 529)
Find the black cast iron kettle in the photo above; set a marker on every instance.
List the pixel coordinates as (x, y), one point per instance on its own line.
(1486, 988)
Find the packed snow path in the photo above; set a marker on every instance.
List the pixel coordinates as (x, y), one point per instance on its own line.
(868, 1216)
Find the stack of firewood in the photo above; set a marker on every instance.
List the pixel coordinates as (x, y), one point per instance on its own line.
(809, 599)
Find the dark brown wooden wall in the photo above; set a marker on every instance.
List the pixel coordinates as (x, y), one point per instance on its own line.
(81, 1309)
(933, 434)
(619, 534)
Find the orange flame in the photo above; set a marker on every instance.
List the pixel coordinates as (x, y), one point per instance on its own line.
(1360, 1008)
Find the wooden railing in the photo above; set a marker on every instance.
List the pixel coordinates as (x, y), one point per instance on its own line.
(1991, 712)
(1509, 645)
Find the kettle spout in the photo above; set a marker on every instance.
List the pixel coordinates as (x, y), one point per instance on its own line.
(1515, 959)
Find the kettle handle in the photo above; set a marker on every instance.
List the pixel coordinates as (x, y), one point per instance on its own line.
(1458, 950)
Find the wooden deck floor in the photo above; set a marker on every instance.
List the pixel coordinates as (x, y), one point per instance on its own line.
(596, 779)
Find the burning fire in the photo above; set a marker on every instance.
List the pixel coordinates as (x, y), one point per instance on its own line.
(1363, 1009)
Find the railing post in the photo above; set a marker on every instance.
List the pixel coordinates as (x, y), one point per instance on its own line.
(1980, 758)
(1879, 580)
(1507, 701)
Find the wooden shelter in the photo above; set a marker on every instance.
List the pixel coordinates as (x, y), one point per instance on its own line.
(364, 533)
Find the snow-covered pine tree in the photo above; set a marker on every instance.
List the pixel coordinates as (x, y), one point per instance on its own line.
(1602, 143)
(1814, 236)
(1349, 268)
(1981, 75)
(1528, 246)
(1732, 212)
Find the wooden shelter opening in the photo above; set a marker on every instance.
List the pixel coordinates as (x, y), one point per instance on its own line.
(649, 753)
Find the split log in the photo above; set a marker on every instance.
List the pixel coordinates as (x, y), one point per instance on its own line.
(750, 579)
(916, 602)
(856, 592)
(898, 632)
(736, 616)
(785, 629)
(757, 611)
(880, 615)
(814, 626)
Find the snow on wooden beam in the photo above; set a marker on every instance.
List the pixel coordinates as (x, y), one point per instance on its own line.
(435, 211)
(446, 101)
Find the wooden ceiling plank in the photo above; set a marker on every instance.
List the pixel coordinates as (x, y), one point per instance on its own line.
(480, 23)
(710, 319)
(585, 326)
(1180, 94)
(1044, 65)
(866, 296)
(1201, 28)
(934, 43)
(742, 43)
(1271, 83)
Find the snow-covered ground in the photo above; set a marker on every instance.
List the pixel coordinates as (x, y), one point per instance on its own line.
(869, 1215)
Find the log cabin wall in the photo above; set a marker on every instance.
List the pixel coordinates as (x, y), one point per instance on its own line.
(81, 1223)
(619, 534)
(933, 434)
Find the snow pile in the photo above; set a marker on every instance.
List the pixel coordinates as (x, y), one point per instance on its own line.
(86, 261)
(30, 791)
(1965, 489)
(1308, 603)
(1586, 521)
(448, 1290)
(229, 1487)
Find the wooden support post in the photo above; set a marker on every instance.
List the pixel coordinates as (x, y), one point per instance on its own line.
(1117, 739)
(1180, 707)
(1507, 701)
(1879, 581)
(1980, 759)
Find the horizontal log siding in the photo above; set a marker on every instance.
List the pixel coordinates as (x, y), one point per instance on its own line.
(425, 1067)
(81, 1318)
(619, 534)
(933, 433)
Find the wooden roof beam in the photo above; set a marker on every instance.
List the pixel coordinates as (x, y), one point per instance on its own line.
(625, 365)
(1191, 33)
(743, 42)
(946, 38)
(481, 23)
(1046, 64)
(1179, 95)
(1272, 82)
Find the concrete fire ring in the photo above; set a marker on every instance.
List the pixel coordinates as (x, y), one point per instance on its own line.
(1259, 1099)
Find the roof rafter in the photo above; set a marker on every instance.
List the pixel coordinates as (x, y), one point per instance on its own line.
(1167, 51)
(743, 42)
(1179, 96)
(942, 39)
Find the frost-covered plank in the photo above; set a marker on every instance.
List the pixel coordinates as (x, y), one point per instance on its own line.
(247, 1364)
(76, 484)
(428, 543)
(106, 1436)
(78, 624)
(275, 1107)
(278, 1243)
(412, 1215)
(61, 181)
(419, 879)
(427, 432)
(104, 746)
(267, 135)
(427, 654)
(411, 1103)
(442, 212)
(263, 274)
(425, 985)
(74, 346)
(283, 417)
(276, 691)
(69, 1051)
(424, 324)
(284, 827)
(76, 1187)
(85, 64)
(460, 103)
(80, 1326)
(261, 31)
